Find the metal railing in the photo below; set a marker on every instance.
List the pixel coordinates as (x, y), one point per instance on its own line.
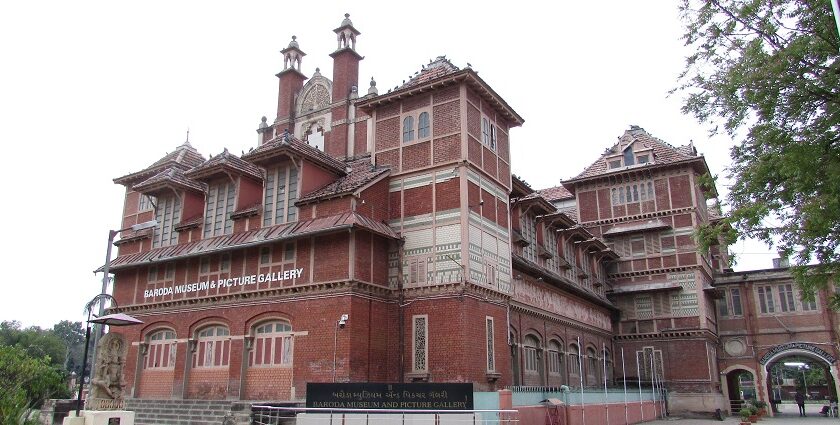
(273, 415)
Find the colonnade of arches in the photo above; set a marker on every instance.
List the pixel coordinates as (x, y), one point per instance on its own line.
(552, 361)
(210, 354)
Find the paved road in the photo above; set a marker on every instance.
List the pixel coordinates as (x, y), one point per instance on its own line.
(789, 415)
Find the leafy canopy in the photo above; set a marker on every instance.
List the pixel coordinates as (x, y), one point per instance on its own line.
(767, 74)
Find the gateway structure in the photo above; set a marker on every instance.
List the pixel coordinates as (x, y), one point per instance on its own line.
(382, 238)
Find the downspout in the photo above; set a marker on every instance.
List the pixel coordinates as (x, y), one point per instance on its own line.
(400, 302)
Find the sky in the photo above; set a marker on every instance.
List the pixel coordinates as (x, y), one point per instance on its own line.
(93, 90)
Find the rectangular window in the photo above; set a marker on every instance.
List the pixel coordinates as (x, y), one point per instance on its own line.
(265, 255)
(170, 271)
(786, 298)
(528, 225)
(281, 193)
(224, 263)
(723, 308)
(554, 362)
(643, 159)
(574, 361)
(491, 355)
(153, 273)
(221, 198)
(421, 343)
(633, 192)
(146, 203)
(204, 265)
(644, 306)
(530, 359)
(168, 215)
(765, 299)
(735, 294)
(417, 269)
(615, 164)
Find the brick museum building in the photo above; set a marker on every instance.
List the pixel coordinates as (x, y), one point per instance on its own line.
(383, 237)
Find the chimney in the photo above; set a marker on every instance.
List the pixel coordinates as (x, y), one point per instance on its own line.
(290, 82)
(345, 80)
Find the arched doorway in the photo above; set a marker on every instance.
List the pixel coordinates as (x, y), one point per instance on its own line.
(740, 384)
(798, 366)
(800, 374)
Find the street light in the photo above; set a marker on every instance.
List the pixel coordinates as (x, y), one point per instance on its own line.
(118, 319)
(802, 368)
(105, 271)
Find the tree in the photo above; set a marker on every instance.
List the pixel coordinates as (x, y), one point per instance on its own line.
(73, 336)
(767, 74)
(37, 342)
(25, 382)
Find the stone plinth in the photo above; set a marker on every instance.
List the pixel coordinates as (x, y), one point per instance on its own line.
(100, 417)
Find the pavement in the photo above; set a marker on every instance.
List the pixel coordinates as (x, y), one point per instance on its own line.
(788, 415)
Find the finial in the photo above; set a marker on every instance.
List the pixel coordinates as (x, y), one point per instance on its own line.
(188, 137)
(263, 122)
(372, 82)
(317, 69)
(346, 15)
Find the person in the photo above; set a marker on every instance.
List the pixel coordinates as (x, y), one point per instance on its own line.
(800, 401)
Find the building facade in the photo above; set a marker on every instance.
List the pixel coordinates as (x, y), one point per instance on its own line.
(383, 238)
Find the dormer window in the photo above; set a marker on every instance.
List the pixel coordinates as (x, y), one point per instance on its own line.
(629, 158)
(643, 159)
(221, 198)
(281, 193)
(167, 214)
(615, 164)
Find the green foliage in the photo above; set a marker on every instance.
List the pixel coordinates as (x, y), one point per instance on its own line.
(25, 382)
(759, 404)
(745, 413)
(768, 74)
(37, 342)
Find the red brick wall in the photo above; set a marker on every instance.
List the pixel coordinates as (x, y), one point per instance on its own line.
(388, 133)
(208, 383)
(587, 206)
(375, 200)
(360, 137)
(448, 194)
(447, 149)
(156, 383)
(313, 178)
(417, 200)
(332, 260)
(681, 195)
(416, 156)
(268, 383)
(446, 118)
(391, 157)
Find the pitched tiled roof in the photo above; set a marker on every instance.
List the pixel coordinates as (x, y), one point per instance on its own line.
(286, 144)
(555, 193)
(183, 157)
(172, 177)
(663, 153)
(265, 235)
(222, 162)
(435, 69)
(362, 172)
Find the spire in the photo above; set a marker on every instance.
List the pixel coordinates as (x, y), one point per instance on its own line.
(292, 55)
(346, 34)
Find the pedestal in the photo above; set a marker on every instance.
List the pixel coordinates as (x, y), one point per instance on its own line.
(100, 417)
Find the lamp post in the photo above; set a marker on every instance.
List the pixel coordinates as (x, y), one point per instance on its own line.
(118, 319)
(106, 273)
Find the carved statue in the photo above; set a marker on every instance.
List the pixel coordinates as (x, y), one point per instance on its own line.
(108, 382)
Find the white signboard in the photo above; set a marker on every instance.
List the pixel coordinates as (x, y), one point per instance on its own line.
(224, 283)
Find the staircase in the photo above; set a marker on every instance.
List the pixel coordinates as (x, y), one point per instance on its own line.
(189, 412)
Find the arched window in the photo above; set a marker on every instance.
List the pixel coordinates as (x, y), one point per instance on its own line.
(592, 362)
(574, 359)
(272, 344)
(161, 350)
(423, 126)
(408, 129)
(530, 348)
(555, 358)
(213, 347)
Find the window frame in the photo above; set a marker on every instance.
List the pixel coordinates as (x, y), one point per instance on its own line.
(218, 209)
(163, 349)
(266, 340)
(219, 344)
(290, 194)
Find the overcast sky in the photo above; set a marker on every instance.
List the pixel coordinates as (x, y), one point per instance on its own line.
(90, 91)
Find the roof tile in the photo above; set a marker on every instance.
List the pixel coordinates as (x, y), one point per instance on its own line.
(222, 161)
(183, 157)
(286, 142)
(362, 172)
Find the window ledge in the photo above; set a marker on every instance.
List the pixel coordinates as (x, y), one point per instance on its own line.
(493, 376)
(418, 376)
